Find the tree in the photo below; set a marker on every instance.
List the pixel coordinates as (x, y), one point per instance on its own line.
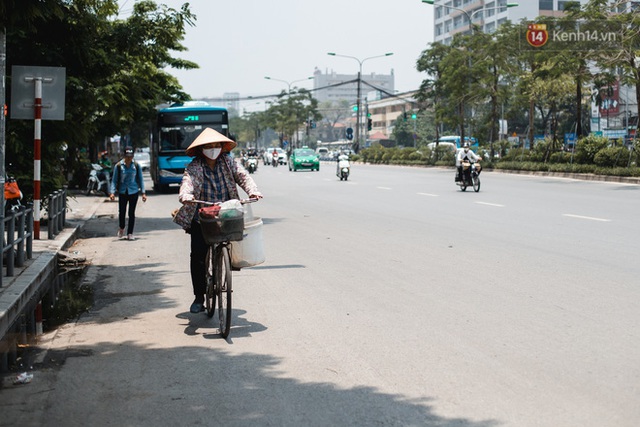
(291, 111)
(432, 88)
(334, 113)
(115, 77)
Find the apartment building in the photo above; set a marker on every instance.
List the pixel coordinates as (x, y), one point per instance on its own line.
(327, 86)
(386, 111)
(452, 16)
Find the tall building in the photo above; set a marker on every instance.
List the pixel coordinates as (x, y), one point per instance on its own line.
(327, 85)
(488, 15)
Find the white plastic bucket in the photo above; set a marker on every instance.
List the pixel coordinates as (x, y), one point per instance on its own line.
(250, 250)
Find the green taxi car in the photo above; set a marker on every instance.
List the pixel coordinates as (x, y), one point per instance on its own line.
(304, 158)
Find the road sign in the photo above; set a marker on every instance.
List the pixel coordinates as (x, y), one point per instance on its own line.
(23, 93)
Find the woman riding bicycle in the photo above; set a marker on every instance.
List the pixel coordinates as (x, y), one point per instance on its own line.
(211, 177)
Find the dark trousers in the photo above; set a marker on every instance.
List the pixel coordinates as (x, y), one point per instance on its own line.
(132, 201)
(198, 255)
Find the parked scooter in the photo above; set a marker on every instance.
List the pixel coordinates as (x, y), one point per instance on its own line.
(470, 176)
(252, 164)
(12, 196)
(99, 180)
(343, 167)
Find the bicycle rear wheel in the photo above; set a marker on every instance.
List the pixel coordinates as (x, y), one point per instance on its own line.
(223, 276)
(210, 293)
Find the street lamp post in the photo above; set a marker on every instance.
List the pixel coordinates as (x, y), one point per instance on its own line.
(288, 83)
(473, 28)
(360, 61)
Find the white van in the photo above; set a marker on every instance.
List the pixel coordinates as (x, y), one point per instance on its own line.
(322, 151)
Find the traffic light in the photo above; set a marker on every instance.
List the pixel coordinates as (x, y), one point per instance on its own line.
(414, 116)
(369, 124)
(349, 134)
(312, 124)
(405, 116)
(355, 108)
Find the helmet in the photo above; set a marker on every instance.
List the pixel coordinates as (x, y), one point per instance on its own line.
(465, 145)
(128, 151)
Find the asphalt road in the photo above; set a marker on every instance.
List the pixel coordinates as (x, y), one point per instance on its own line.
(389, 299)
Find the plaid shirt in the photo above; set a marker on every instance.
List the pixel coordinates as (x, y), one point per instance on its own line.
(213, 188)
(194, 184)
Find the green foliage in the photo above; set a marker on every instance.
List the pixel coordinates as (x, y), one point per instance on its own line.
(115, 78)
(612, 157)
(587, 148)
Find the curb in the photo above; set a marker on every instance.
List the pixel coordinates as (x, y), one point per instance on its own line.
(20, 292)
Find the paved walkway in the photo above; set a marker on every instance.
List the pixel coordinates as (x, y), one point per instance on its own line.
(18, 290)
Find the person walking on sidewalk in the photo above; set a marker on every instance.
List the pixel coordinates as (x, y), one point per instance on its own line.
(128, 183)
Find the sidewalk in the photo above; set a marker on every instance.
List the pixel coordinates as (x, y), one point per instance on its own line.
(17, 291)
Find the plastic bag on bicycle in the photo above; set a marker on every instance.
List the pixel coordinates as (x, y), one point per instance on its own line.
(231, 209)
(209, 211)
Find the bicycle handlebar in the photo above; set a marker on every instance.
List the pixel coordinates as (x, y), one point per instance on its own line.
(242, 201)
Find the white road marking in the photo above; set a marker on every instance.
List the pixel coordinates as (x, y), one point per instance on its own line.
(490, 204)
(590, 218)
(428, 194)
(383, 188)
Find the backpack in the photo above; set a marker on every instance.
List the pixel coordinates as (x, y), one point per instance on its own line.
(120, 168)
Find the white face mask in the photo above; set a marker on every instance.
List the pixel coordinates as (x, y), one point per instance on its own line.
(211, 153)
(466, 150)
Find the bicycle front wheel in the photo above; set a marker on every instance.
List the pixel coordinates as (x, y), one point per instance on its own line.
(210, 294)
(476, 183)
(223, 276)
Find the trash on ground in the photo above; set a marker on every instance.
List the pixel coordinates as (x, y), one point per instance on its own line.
(23, 378)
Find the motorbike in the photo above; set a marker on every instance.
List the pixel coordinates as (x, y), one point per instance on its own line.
(252, 164)
(343, 168)
(99, 180)
(274, 160)
(12, 196)
(470, 176)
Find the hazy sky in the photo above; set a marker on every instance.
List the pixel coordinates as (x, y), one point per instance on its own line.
(239, 42)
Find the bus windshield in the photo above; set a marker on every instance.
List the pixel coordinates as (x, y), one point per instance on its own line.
(179, 137)
(173, 131)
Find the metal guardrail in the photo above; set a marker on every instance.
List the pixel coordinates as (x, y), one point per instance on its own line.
(17, 231)
(56, 212)
(17, 239)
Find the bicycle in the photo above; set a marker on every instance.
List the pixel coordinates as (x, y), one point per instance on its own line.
(218, 234)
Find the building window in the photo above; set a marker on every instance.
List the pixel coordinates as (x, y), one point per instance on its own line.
(546, 4)
(458, 21)
(490, 9)
(563, 4)
(439, 10)
(438, 29)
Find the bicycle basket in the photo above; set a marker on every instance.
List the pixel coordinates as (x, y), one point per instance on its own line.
(216, 230)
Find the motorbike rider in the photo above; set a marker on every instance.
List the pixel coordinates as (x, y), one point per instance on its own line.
(275, 157)
(341, 157)
(105, 163)
(465, 155)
